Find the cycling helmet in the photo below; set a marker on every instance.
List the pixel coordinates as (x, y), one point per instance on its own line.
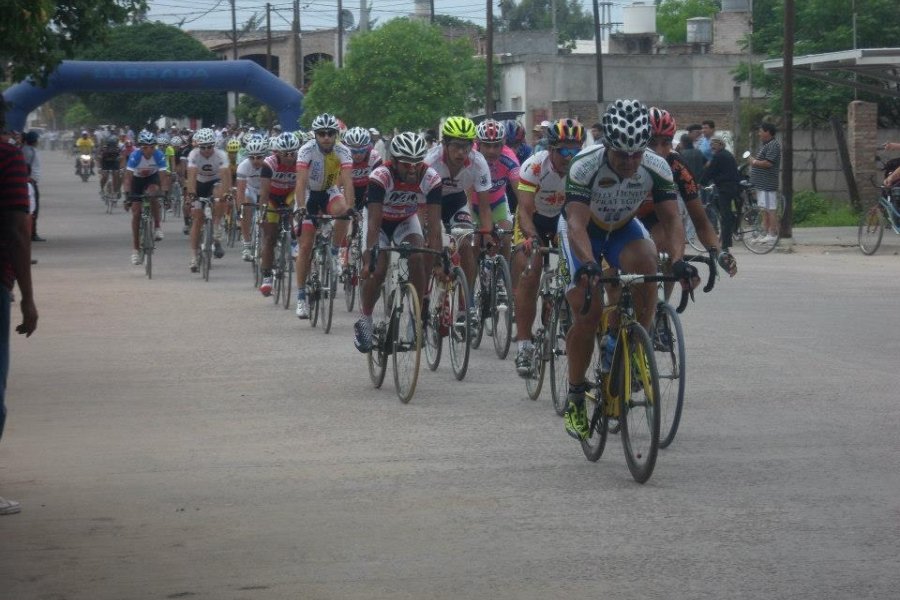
(661, 123)
(146, 138)
(325, 121)
(308, 136)
(357, 137)
(410, 146)
(162, 139)
(177, 141)
(565, 130)
(111, 141)
(233, 145)
(458, 127)
(286, 142)
(490, 130)
(256, 147)
(205, 136)
(515, 132)
(626, 126)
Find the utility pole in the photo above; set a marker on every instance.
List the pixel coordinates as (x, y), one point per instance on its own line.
(268, 37)
(298, 50)
(234, 51)
(598, 45)
(489, 57)
(431, 6)
(340, 32)
(363, 16)
(787, 107)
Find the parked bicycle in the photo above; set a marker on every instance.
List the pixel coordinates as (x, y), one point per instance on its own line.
(884, 213)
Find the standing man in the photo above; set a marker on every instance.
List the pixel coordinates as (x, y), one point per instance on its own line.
(722, 170)
(15, 264)
(378, 144)
(704, 140)
(764, 179)
(33, 160)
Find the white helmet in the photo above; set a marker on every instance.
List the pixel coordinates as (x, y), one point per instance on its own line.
(286, 142)
(205, 136)
(626, 125)
(177, 141)
(146, 138)
(256, 147)
(357, 137)
(409, 145)
(325, 121)
(162, 139)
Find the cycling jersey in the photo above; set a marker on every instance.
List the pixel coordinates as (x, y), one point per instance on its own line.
(247, 172)
(324, 169)
(475, 173)
(614, 201)
(141, 166)
(503, 170)
(401, 200)
(364, 167)
(537, 175)
(109, 152)
(207, 168)
(687, 188)
(283, 177)
(170, 157)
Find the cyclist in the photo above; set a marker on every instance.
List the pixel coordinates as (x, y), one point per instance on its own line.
(462, 170)
(504, 169)
(604, 188)
(146, 172)
(324, 168)
(277, 179)
(541, 198)
(109, 163)
(662, 132)
(232, 147)
(248, 172)
(208, 176)
(515, 139)
(365, 160)
(397, 191)
(84, 145)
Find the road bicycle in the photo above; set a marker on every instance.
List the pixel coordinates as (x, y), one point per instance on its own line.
(108, 190)
(350, 275)
(629, 392)
(321, 282)
(446, 312)
(399, 334)
(883, 213)
(232, 219)
(283, 258)
(492, 301)
(206, 237)
(255, 241)
(146, 241)
(176, 197)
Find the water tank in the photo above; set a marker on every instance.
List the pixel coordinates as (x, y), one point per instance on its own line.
(639, 18)
(699, 30)
(735, 5)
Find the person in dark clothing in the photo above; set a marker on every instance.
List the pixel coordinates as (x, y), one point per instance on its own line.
(723, 172)
(690, 155)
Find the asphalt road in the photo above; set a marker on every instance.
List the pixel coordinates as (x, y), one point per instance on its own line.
(180, 439)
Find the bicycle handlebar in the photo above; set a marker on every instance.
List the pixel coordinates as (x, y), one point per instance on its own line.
(709, 261)
(405, 250)
(628, 279)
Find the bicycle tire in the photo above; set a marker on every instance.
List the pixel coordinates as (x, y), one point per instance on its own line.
(478, 300)
(668, 344)
(750, 229)
(535, 380)
(312, 290)
(288, 271)
(351, 279)
(459, 336)
(501, 314)
(871, 229)
(434, 342)
(639, 412)
(328, 283)
(277, 272)
(254, 264)
(406, 352)
(206, 250)
(595, 399)
(560, 320)
(147, 243)
(377, 356)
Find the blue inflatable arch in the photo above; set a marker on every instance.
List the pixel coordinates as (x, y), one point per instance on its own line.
(243, 76)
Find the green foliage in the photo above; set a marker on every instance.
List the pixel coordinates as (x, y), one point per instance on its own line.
(811, 209)
(824, 26)
(403, 75)
(451, 21)
(672, 16)
(572, 21)
(252, 112)
(38, 34)
(807, 204)
(78, 116)
(151, 42)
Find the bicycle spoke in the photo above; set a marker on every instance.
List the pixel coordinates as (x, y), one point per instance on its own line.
(639, 416)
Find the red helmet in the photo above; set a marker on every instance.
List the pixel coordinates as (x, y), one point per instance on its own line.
(661, 123)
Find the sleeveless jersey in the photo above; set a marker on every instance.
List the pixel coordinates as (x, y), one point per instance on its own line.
(402, 200)
(284, 177)
(142, 166)
(614, 201)
(324, 169)
(362, 169)
(538, 175)
(475, 173)
(207, 168)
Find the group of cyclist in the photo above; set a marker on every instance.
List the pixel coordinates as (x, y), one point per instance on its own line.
(614, 201)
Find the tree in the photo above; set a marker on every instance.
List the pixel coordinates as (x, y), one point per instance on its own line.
(252, 112)
(38, 34)
(823, 26)
(146, 42)
(456, 22)
(672, 16)
(572, 23)
(403, 75)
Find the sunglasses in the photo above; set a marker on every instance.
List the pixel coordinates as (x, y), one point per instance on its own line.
(206, 147)
(567, 152)
(460, 145)
(408, 164)
(358, 150)
(490, 144)
(326, 133)
(257, 157)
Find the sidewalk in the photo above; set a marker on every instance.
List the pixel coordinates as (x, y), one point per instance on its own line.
(829, 236)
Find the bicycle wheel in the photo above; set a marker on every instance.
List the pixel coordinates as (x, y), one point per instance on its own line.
(277, 272)
(329, 288)
(147, 250)
(407, 337)
(233, 226)
(288, 271)
(871, 229)
(434, 342)
(639, 412)
(753, 233)
(535, 379)
(460, 332)
(351, 280)
(377, 356)
(560, 320)
(668, 344)
(501, 308)
(254, 264)
(206, 249)
(480, 297)
(313, 290)
(595, 399)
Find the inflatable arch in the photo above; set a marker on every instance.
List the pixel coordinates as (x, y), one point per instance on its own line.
(243, 76)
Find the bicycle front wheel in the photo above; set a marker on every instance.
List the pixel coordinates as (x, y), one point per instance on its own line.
(535, 379)
(351, 279)
(481, 296)
(288, 271)
(434, 342)
(501, 307)
(753, 232)
(407, 336)
(460, 332)
(206, 250)
(147, 242)
(377, 356)
(329, 288)
(871, 229)
(668, 344)
(559, 363)
(639, 413)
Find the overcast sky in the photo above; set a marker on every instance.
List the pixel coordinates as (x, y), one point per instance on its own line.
(314, 14)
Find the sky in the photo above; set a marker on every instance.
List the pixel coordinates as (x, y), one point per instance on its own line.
(314, 14)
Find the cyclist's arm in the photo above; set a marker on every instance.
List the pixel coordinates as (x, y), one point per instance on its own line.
(525, 210)
(705, 230)
(374, 207)
(484, 210)
(432, 214)
(347, 183)
(892, 178)
(225, 179)
(241, 191)
(673, 228)
(578, 215)
(300, 186)
(265, 184)
(192, 180)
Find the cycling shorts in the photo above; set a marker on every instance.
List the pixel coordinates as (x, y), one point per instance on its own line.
(140, 184)
(278, 202)
(499, 213)
(205, 189)
(545, 227)
(111, 164)
(393, 231)
(359, 196)
(321, 202)
(455, 210)
(607, 245)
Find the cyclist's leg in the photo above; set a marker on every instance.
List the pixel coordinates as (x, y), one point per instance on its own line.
(336, 207)
(204, 190)
(525, 285)
(631, 250)
(219, 207)
(371, 282)
(410, 231)
(155, 204)
(455, 211)
(307, 236)
(502, 218)
(251, 196)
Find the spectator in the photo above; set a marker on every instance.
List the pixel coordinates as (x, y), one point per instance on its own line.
(704, 140)
(15, 265)
(378, 144)
(541, 142)
(33, 160)
(597, 133)
(764, 179)
(430, 138)
(691, 157)
(722, 170)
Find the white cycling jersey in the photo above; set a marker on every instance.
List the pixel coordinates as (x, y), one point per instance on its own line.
(400, 200)
(475, 173)
(208, 168)
(324, 169)
(537, 175)
(247, 172)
